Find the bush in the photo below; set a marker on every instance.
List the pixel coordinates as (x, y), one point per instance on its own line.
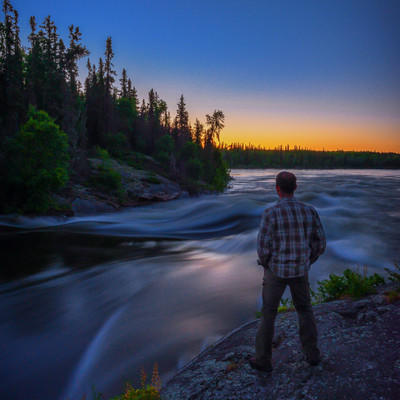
(164, 148)
(146, 392)
(215, 170)
(194, 168)
(393, 275)
(351, 284)
(106, 179)
(117, 144)
(36, 162)
(153, 179)
(165, 144)
(189, 151)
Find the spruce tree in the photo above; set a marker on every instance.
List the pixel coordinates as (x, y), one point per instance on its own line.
(198, 132)
(124, 84)
(11, 74)
(181, 130)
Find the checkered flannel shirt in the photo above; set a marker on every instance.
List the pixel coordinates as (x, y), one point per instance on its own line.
(291, 238)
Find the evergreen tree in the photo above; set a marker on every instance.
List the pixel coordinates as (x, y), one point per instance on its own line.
(132, 95)
(124, 85)
(198, 132)
(11, 74)
(181, 129)
(75, 52)
(215, 123)
(109, 112)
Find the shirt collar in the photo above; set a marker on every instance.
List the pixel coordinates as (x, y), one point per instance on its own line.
(286, 199)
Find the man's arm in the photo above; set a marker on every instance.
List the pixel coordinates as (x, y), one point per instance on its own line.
(317, 240)
(264, 241)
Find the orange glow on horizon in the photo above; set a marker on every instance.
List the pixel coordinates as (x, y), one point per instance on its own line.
(314, 134)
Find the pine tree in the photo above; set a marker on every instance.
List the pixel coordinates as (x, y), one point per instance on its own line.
(11, 74)
(215, 123)
(124, 85)
(75, 52)
(181, 124)
(198, 132)
(109, 112)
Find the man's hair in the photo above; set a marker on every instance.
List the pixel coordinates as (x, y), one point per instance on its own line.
(286, 181)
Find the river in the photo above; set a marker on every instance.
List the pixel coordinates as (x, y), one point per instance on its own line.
(88, 301)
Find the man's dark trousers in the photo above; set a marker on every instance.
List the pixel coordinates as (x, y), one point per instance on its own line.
(273, 288)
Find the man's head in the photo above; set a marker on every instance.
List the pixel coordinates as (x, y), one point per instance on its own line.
(285, 184)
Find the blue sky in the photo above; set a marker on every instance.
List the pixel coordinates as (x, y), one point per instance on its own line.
(288, 72)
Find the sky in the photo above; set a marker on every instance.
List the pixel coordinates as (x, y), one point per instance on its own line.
(319, 74)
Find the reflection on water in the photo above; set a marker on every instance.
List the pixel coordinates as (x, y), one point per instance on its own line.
(89, 301)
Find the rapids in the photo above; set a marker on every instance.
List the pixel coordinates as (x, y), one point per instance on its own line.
(88, 301)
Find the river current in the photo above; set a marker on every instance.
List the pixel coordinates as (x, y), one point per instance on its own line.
(88, 301)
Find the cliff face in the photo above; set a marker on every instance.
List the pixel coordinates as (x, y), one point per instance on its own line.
(360, 346)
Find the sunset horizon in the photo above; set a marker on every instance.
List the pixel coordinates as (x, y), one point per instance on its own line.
(323, 77)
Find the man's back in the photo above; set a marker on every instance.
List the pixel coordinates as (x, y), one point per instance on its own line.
(290, 238)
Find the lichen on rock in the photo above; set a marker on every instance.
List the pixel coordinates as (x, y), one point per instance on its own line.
(360, 346)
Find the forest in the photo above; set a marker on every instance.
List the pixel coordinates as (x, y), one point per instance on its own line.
(247, 156)
(50, 121)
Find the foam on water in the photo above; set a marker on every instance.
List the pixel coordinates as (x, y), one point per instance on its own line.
(153, 283)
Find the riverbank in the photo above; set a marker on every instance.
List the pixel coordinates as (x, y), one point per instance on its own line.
(360, 345)
(95, 188)
(104, 184)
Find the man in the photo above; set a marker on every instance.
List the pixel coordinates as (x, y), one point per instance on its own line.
(290, 239)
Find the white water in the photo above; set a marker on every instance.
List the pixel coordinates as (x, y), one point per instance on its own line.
(89, 301)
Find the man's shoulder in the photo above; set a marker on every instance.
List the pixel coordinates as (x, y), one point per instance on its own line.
(273, 209)
(308, 208)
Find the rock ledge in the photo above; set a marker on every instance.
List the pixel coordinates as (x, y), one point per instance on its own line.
(360, 345)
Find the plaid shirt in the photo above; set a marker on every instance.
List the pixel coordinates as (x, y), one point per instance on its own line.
(291, 238)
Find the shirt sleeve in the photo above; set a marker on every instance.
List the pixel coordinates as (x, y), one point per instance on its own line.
(318, 240)
(264, 240)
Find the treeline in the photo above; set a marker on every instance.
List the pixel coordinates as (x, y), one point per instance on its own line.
(100, 113)
(248, 156)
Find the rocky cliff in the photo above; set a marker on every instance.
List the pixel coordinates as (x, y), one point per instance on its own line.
(360, 345)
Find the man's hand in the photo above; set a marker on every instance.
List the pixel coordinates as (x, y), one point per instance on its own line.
(263, 261)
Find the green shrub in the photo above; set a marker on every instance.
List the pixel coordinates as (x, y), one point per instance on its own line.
(165, 144)
(146, 392)
(116, 144)
(221, 178)
(163, 157)
(106, 179)
(393, 295)
(351, 284)
(189, 151)
(393, 275)
(194, 168)
(153, 179)
(36, 164)
(286, 305)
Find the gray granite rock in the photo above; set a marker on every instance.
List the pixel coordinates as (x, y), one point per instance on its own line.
(360, 345)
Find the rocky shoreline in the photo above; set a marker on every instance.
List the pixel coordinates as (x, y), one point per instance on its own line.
(139, 187)
(360, 346)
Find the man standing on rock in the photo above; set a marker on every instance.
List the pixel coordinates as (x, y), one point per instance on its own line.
(290, 239)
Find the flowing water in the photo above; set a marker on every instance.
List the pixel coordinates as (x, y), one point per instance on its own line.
(87, 301)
